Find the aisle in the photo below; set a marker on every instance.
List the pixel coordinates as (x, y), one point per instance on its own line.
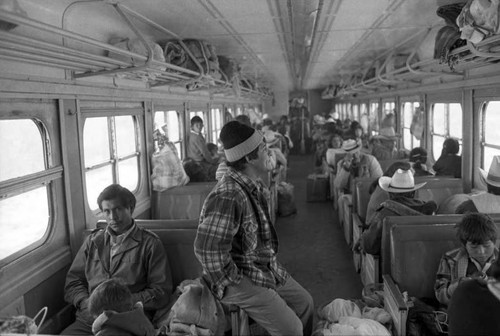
(312, 245)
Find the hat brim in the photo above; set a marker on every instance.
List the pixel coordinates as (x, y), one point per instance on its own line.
(484, 177)
(385, 183)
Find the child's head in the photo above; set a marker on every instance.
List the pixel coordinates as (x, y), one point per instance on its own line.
(112, 294)
(477, 232)
(212, 148)
(336, 140)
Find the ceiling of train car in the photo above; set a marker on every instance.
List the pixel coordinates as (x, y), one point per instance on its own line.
(297, 44)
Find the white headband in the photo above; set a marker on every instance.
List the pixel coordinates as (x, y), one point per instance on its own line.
(237, 152)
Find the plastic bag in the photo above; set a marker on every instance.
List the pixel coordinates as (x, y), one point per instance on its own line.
(23, 324)
(168, 171)
(417, 124)
(339, 308)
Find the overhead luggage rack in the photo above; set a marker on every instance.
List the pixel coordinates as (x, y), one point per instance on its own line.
(464, 58)
(81, 63)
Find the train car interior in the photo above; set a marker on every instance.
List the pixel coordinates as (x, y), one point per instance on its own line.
(101, 92)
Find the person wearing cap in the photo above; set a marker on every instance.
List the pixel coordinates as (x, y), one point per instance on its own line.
(418, 160)
(384, 145)
(449, 163)
(197, 151)
(475, 306)
(485, 202)
(401, 188)
(477, 234)
(237, 244)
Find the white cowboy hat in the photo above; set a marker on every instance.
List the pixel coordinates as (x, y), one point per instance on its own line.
(401, 182)
(351, 146)
(387, 133)
(492, 177)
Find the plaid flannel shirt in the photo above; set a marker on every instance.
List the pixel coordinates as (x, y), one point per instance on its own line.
(454, 265)
(236, 237)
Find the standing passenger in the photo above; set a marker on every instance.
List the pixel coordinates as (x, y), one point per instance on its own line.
(237, 244)
(123, 251)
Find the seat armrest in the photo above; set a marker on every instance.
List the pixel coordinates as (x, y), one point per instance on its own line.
(395, 305)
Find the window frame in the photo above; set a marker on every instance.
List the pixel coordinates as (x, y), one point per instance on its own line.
(434, 155)
(180, 144)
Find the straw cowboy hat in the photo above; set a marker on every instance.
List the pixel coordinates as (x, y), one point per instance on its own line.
(492, 177)
(351, 146)
(387, 133)
(401, 182)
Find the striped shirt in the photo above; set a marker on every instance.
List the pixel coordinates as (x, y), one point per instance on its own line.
(236, 236)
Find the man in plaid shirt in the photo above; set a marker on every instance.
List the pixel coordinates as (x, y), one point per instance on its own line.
(237, 245)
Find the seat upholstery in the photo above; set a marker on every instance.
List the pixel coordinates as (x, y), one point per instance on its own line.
(183, 202)
(438, 189)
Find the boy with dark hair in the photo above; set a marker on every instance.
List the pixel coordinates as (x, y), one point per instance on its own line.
(112, 306)
(477, 233)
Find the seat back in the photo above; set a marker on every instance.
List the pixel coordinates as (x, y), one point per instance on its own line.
(416, 245)
(361, 197)
(438, 189)
(177, 238)
(184, 202)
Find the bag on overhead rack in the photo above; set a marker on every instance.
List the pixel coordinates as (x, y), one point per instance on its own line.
(203, 52)
(448, 37)
(479, 19)
(136, 46)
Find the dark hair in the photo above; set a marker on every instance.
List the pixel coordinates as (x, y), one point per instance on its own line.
(418, 156)
(391, 170)
(267, 122)
(450, 146)
(111, 294)
(244, 119)
(196, 119)
(240, 164)
(116, 191)
(476, 228)
(410, 194)
(211, 146)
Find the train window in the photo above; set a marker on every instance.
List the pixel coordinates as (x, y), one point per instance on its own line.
(373, 117)
(172, 127)
(217, 122)
(446, 122)
(490, 134)
(389, 107)
(110, 154)
(239, 111)
(355, 112)
(348, 110)
(24, 209)
(408, 109)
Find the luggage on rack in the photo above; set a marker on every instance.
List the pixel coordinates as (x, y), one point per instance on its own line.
(136, 46)
(203, 52)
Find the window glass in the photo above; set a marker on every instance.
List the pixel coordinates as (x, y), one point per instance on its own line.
(24, 220)
(438, 119)
(455, 120)
(389, 107)
(27, 156)
(127, 171)
(125, 135)
(373, 115)
(121, 165)
(96, 180)
(491, 134)
(408, 110)
(355, 112)
(96, 141)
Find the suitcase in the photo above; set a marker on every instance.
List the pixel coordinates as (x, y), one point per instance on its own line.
(317, 188)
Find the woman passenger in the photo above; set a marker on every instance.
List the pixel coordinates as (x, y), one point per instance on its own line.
(449, 163)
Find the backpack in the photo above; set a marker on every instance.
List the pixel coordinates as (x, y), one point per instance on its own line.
(448, 37)
(479, 19)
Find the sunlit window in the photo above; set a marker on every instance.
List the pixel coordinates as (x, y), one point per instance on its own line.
(239, 110)
(24, 206)
(217, 122)
(490, 142)
(373, 118)
(110, 154)
(355, 112)
(446, 123)
(167, 125)
(408, 110)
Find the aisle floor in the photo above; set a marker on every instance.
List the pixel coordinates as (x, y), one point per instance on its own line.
(312, 244)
